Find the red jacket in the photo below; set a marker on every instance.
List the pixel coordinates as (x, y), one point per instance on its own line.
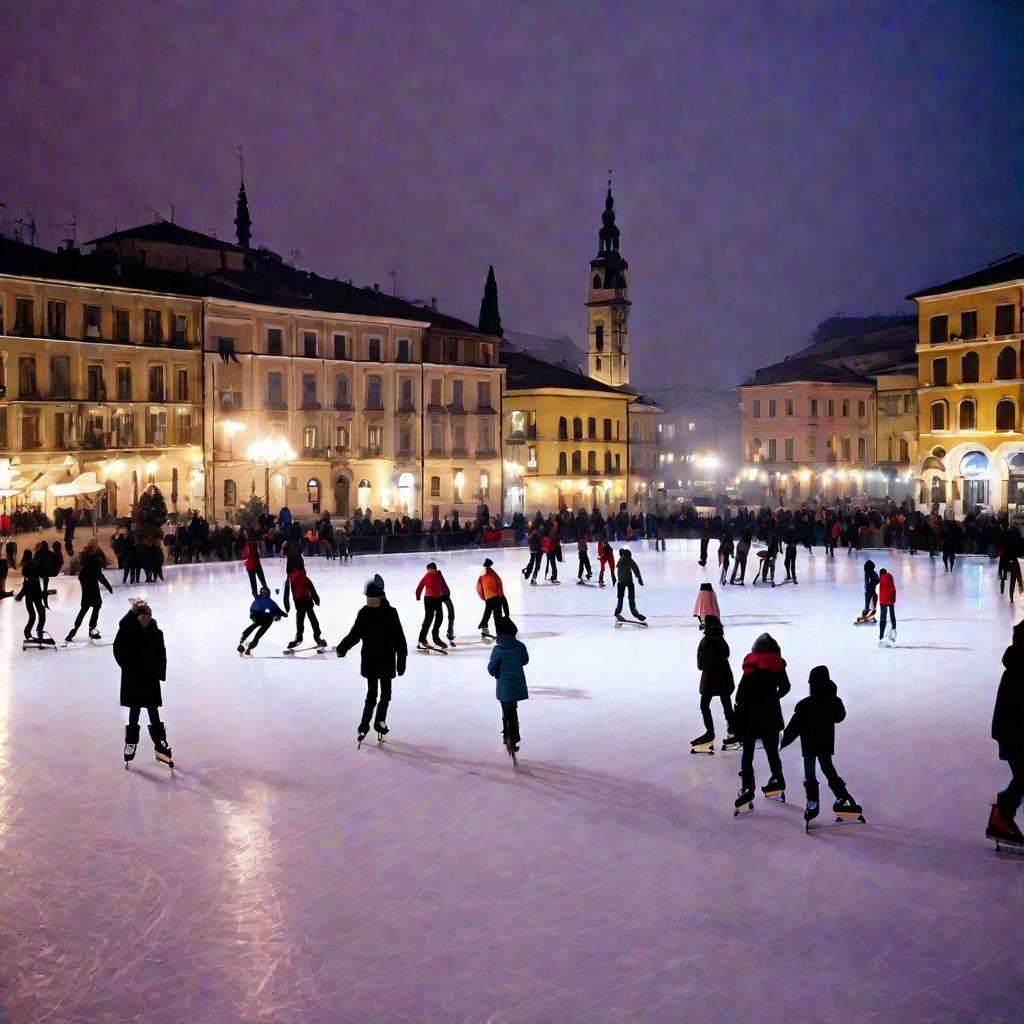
(886, 589)
(547, 544)
(432, 583)
(607, 553)
(251, 554)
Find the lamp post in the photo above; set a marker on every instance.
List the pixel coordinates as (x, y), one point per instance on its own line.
(272, 452)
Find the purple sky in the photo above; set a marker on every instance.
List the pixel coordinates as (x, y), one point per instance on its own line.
(774, 163)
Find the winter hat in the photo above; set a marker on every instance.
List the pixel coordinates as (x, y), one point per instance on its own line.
(506, 627)
(264, 591)
(487, 563)
(819, 676)
(766, 644)
(431, 565)
(374, 587)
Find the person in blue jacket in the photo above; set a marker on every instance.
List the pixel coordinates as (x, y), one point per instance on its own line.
(263, 612)
(508, 658)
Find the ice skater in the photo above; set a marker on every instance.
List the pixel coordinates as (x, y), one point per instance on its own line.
(625, 588)
(584, 558)
(90, 579)
(142, 657)
(789, 559)
(870, 594)
(300, 587)
(31, 593)
(725, 549)
(706, 604)
(263, 613)
(431, 589)
(1009, 565)
(1008, 732)
(383, 655)
(533, 565)
(449, 607)
(740, 565)
(606, 555)
(715, 681)
(705, 539)
(253, 564)
(887, 599)
(758, 716)
(491, 591)
(509, 657)
(814, 721)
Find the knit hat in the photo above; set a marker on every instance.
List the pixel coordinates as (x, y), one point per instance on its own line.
(487, 563)
(766, 644)
(819, 675)
(506, 627)
(374, 587)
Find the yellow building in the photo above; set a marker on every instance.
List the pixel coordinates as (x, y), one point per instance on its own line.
(565, 439)
(970, 391)
(101, 375)
(896, 424)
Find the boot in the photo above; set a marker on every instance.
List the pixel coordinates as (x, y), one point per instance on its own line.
(776, 785)
(812, 808)
(1001, 826)
(845, 803)
(158, 734)
(746, 793)
(704, 742)
(131, 741)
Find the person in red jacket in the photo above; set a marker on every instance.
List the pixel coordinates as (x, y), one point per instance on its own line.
(887, 599)
(252, 563)
(300, 587)
(549, 545)
(607, 555)
(434, 586)
(492, 593)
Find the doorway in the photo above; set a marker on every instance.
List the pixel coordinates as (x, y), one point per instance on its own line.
(342, 489)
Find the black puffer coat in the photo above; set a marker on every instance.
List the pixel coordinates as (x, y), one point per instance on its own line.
(141, 654)
(713, 660)
(1008, 717)
(764, 683)
(384, 649)
(814, 720)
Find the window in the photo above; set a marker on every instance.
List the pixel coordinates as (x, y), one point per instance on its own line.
(755, 409)
(969, 325)
(483, 394)
(563, 464)
(846, 407)
(275, 341)
(181, 375)
(790, 407)
(591, 463)
(405, 439)
(183, 426)
(24, 317)
(1006, 365)
(373, 350)
(608, 461)
(310, 439)
(531, 457)
(1005, 319)
(485, 486)
(772, 449)
(457, 388)
(812, 445)
(904, 450)
(403, 350)
(909, 402)
(939, 330)
(373, 394)
(309, 344)
(124, 429)
(788, 449)
(435, 487)
(846, 449)
(31, 435)
(156, 383)
(309, 391)
(813, 407)
(56, 319)
(563, 429)
(577, 462)
(342, 397)
(230, 494)
(156, 427)
(598, 364)
(91, 321)
(341, 438)
(940, 375)
(487, 354)
(180, 329)
(407, 402)
(599, 337)
(275, 390)
(1006, 415)
(969, 368)
(591, 427)
(453, 350)
(597, 282)
(459, 437)
(577, 428)
(862, 409)
(755, 449)
(60, 377)
(967, 414)
(122, 326)
(608, 429)
(889, 450)
(435, 436)
(152, 329)
(457, 479)
(831, 407)
(313, 493)
(485, 445)
(339, 346)
(938, 415)
(771, 408)
(124, 382)
(97, 390)
(435, 392)
(862, 449)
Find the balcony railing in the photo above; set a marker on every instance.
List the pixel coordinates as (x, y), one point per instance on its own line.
(370, 451)
(486, 453)
(313, 453)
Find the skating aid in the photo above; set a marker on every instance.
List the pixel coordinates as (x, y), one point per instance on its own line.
(621, 620)
(40, 642)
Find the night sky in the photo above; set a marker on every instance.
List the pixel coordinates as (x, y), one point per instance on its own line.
(774, 163)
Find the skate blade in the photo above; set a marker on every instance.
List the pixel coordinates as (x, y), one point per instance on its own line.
(743, 809)
(849, 816)
(776, 794)
(703, 748)
(164, 759)
(1007, 844)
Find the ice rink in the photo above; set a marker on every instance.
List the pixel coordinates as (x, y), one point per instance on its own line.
(283, 876)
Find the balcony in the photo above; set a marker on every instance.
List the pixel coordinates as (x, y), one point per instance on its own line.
(487, 453)
(459, 450)
(376, 407)
(486, 410)
(277, 405)
(370, 451)
(407, 407)
(313, 453)
(404, 456)
(435, 453)
(308, 405)
(455, 410)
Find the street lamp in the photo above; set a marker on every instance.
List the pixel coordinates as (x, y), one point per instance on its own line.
(271, 452)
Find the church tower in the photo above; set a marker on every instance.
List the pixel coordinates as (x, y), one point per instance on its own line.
(243, 222)
(608, 305)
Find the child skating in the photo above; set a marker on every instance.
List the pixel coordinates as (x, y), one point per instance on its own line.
(431, 589)
(870, 594)
(300, 587)
(263, 613)
(383, 656)
(90, 579)
(142, 657)
(706, 604)
(492, 592)
(887, 599)
(606, 554)
(508, 658)
(725, 549)
(814, 721)
(584, 558)
(625, 588)
(715, 681)
(31, 593)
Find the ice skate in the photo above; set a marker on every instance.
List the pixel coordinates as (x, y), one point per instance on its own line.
(844, 808)
(69, 639)
(703, 744)
(731, 742)
(776, 788)
(321, 645)
(891, 638)
(1003, 830)
(131, 742)
(94, 634)
(811, 808)
(249, 650)
(486, 636)
(361, 735)
(381, 730)
(745, 797)
(240, 648)
(533, 583)
(291, 648)
(511, 749)
(158, 734)
(439, 643)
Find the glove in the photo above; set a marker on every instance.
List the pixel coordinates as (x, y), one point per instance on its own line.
(401, 668)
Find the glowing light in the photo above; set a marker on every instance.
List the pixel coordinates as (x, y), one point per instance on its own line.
(116, 467)
(805, 475)
(271, 451)
(150, 468)
(232, 427)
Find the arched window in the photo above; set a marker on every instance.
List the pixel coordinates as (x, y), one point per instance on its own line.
(889, 449)
(373, 393)
(1006, 415)
(597, 282)
(342, 395)
(755, 449)
(1006, 365)
(230, 494)
(607, 429)
(607, 461)
(563, 464)
(591, 462)
(563, 429)
(577, 428)
(904, 450)
(938, 415)
(407, 393)
(591, 427)
(577, 462)
(812, 445)
(363, 494)
(969, 368)
(968, 414)
(313, 491)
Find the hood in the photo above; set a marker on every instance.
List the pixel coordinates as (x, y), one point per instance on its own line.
(869, 566)
(1013, 659)
(713, 626)
(823, 688)
(766, 644)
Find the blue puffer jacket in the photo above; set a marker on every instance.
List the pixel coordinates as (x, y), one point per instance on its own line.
(508, 657)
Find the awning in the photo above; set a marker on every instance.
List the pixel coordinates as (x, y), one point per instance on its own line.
(84, 483)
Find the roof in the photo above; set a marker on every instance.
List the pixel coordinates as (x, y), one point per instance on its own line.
(173, 234)
(1010, 268)
(526, 373)
(805, 369)
(550, 350)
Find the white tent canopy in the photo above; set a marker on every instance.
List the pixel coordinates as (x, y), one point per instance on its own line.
(84, 483)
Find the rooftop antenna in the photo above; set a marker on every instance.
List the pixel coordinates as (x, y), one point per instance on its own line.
(30, 223)
(294, 255)
(172, 213)
(394, 281)
(241, 164)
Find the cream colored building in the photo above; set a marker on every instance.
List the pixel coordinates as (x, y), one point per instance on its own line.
(896, 423)
(102, 376)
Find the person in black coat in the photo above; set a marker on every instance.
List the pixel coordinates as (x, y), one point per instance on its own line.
(758, 714)
(90, 578)
(1008, 732)
(715, 681)
(814, 721)
(140, 653)
(33, 595)
(383, 654)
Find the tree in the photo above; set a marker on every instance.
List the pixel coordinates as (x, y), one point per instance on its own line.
(151, 512)
(250, 511)
(490, 318)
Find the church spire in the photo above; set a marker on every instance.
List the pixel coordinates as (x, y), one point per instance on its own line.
(608, 236)
(243, 222)
(490, 318)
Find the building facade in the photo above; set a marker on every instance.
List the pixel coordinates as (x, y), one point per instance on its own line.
(970, 391)
(896, 428)
(608, 305)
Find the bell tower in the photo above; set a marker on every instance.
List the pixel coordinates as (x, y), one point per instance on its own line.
(608, 305)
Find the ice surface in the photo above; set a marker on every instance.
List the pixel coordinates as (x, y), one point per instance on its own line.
(284, 876)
